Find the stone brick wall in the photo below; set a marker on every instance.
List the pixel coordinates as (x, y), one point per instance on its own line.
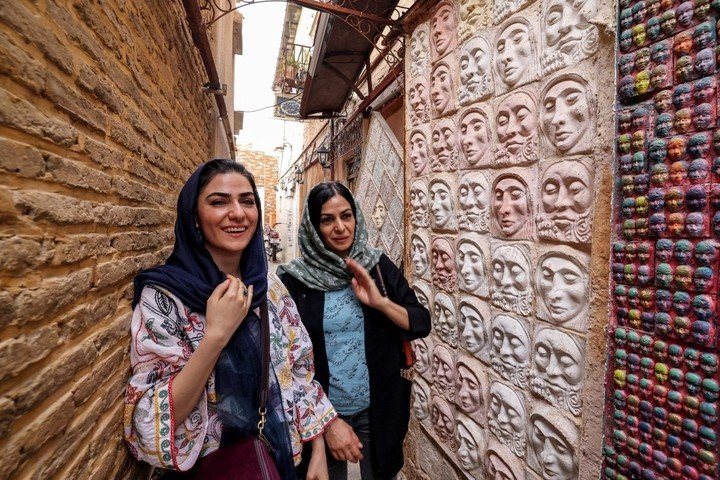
(101, 120)
(265, 170)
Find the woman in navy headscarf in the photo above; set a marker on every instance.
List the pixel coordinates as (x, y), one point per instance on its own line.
(195, 338)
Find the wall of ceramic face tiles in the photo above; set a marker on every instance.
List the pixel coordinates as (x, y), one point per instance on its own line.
(380, 189)
(662, 386)
(504, 154)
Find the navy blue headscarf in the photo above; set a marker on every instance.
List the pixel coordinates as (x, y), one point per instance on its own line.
(191, 274)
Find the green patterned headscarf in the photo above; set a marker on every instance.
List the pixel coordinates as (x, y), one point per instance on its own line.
(321, 269)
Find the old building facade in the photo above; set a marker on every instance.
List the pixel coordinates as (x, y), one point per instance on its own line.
(102, 118)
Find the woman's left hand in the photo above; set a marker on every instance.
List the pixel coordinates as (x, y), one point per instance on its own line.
(317, 468)
(364, 286)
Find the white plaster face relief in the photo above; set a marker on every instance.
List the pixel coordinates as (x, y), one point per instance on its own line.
(443, 28)
(443, 421)
(444, 145)
(568, 36)
(422, 292)
(516, 123)
(421, 399)
(511, 279)
(443, 368)
(498, 468)
(475, 70)
(379, 214)
(511, 207)
(471, 10)
(419, 255)
(442, 89)
(470, 444)
(419, 156)
(471, 268)
(473, 192)
(562, 284)
(442, 207)
(419, 50)
(419, 211)
(557, 369)
(474, 136)
(566, 192)
(473, 335)
(422, 356)
(514, 53)
(444, 274)
(506, 417)
(419, 99)
(510, 352)
(469, 390)
(566, 114)
(445, 320)
(552, 452)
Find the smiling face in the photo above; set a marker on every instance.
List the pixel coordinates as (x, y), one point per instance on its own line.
(337, 225)
(513, 53)
(510, 205)
(562, 285)
(566, 114)
(227, 214)
(516, 122)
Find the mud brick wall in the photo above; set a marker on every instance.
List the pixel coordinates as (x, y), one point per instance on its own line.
(510, 124)
(101, 121)
(662, 380)
(265, 170)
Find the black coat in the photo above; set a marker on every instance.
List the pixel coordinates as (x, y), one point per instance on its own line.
(389, 392)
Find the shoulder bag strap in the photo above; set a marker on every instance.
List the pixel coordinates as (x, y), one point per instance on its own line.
(265, 372)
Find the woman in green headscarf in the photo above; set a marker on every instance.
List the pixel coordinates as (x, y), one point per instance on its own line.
(356, 305)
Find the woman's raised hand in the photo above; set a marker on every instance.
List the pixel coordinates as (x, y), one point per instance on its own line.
(364, 286)
(226, 309)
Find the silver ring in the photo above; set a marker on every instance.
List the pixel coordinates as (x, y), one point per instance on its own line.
(244, 291)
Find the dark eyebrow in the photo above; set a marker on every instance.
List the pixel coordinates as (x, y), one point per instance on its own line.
(227, 195)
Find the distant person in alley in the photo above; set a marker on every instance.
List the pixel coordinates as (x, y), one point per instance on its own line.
(357, 306)
(196, 343)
